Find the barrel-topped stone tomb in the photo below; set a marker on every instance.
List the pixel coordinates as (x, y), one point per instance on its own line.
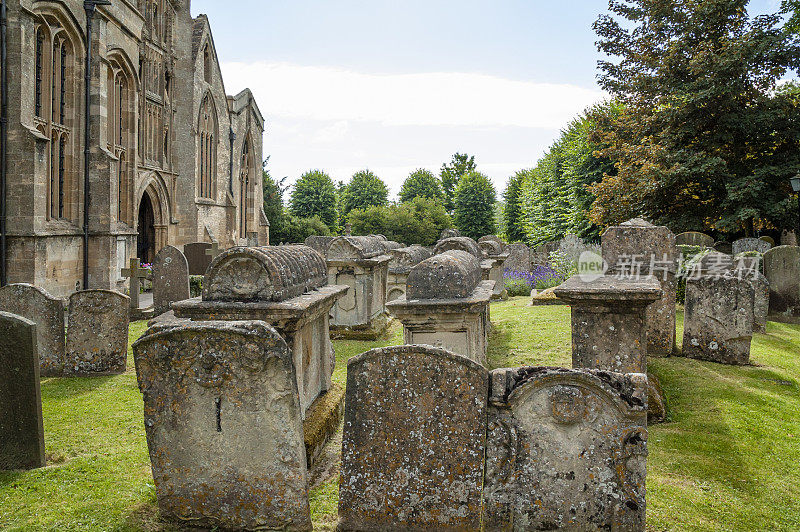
(403, 259)
(492, 270)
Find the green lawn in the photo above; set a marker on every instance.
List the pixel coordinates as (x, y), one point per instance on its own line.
(728, 459)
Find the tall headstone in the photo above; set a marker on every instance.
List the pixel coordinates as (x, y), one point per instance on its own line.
(782, 270)
(97, 333)
(170, 279)
(638, 248)
(223, 425)
(47, 312)
(196, 257)
(21, 428)
(693, 238)
(414, 441)
(566, 450)
(744, 245)
(718, 326)
(519, 258)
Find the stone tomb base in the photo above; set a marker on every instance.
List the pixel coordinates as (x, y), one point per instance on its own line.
(322, 421)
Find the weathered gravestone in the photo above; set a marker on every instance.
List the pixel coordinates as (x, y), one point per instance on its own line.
(47, 312)
(782, 269)
(223, 424)
(492, 250)
(170, 279)
(403, 259)
(519, 258)
(319, 243)
(21, 429)
(197, 258)
(719, 319)
(447, 305)
(744, 245)
(449, 233)
(693, 238)
(769, 240)
(566, 450)
(414, 441)
(609, 325)
(97, 333)
(761, 301)
(493, 238)
(638, 248)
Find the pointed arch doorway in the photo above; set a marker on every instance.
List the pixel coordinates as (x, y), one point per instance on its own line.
(146, 240)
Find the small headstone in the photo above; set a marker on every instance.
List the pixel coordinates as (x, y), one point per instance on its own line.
(744, 245)
(769, 240)
(693, 238)
(47, 312)
(519, 258)
(224, 426)
(170, 279)
(22, 440)
(196, 257)
(782, 270)
(414, 441)
(97, 333)
(566, 450)
(718, 326)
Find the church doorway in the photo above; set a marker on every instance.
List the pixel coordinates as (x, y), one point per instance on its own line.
(146, 240)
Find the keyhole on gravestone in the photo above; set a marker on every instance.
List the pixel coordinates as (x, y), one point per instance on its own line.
(218, 404)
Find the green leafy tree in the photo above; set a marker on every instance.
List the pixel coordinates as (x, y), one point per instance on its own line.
(703, 140)
(474, 205)
(451, 173)
(296, 230)
(419, 221)
(364, 190)
(513, 226)
(315, 195)
(421, 183)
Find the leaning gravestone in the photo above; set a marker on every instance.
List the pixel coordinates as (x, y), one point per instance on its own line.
(719, 319)
(414, 441)
(744, 245)
(566, 450)
(782, 269)
(224, 426)
(197, 258)
(519, 258)
(22, 441)
(47, 312)
(170, 279)
(97, 333)
(693, 238)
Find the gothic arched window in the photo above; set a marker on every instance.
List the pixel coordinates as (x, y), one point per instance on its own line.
(121, 133)
(207, 148)
(245, 168)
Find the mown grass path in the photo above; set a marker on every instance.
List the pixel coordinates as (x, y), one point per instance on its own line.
(728, 459)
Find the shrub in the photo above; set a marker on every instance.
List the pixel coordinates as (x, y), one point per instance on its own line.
(296, 230)
(419, 221)
(195, 285)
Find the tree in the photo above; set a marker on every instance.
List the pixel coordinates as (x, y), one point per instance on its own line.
(273, 202)
(474, 205)
(512, 214)
(315, 195)
(296, 230)
(450, 174)
(421, 183)
(419, 221)
(703, 140)
(364, 190)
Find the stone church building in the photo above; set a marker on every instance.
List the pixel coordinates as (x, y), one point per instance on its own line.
(173, 158)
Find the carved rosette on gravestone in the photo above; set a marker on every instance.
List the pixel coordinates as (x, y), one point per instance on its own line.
(197, 258)
(47, 312)
(22, 440)
(170, 279)
(519, 258)
(566, 450)
(782, 270)
(719, 319)
(223, 424)
(745, 245)
(97, 333)
(414, 441)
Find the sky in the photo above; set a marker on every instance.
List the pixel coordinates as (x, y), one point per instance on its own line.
(394, 86)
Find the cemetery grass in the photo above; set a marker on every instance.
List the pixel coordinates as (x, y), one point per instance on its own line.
(727, 459)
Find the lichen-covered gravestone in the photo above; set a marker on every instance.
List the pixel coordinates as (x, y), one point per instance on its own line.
(719, 319)
(223, 424)
(761, 297)
(97, 333)
(197, 258)
(744, 245)
(414, 441)
(21, 429)
(693, 238)
(47, 312)
(566, 450)
(519, 258)
(170, 279)
(782, 269)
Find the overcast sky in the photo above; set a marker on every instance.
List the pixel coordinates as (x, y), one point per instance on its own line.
(393, 86)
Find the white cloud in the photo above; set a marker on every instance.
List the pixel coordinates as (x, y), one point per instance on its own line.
(424, 99)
